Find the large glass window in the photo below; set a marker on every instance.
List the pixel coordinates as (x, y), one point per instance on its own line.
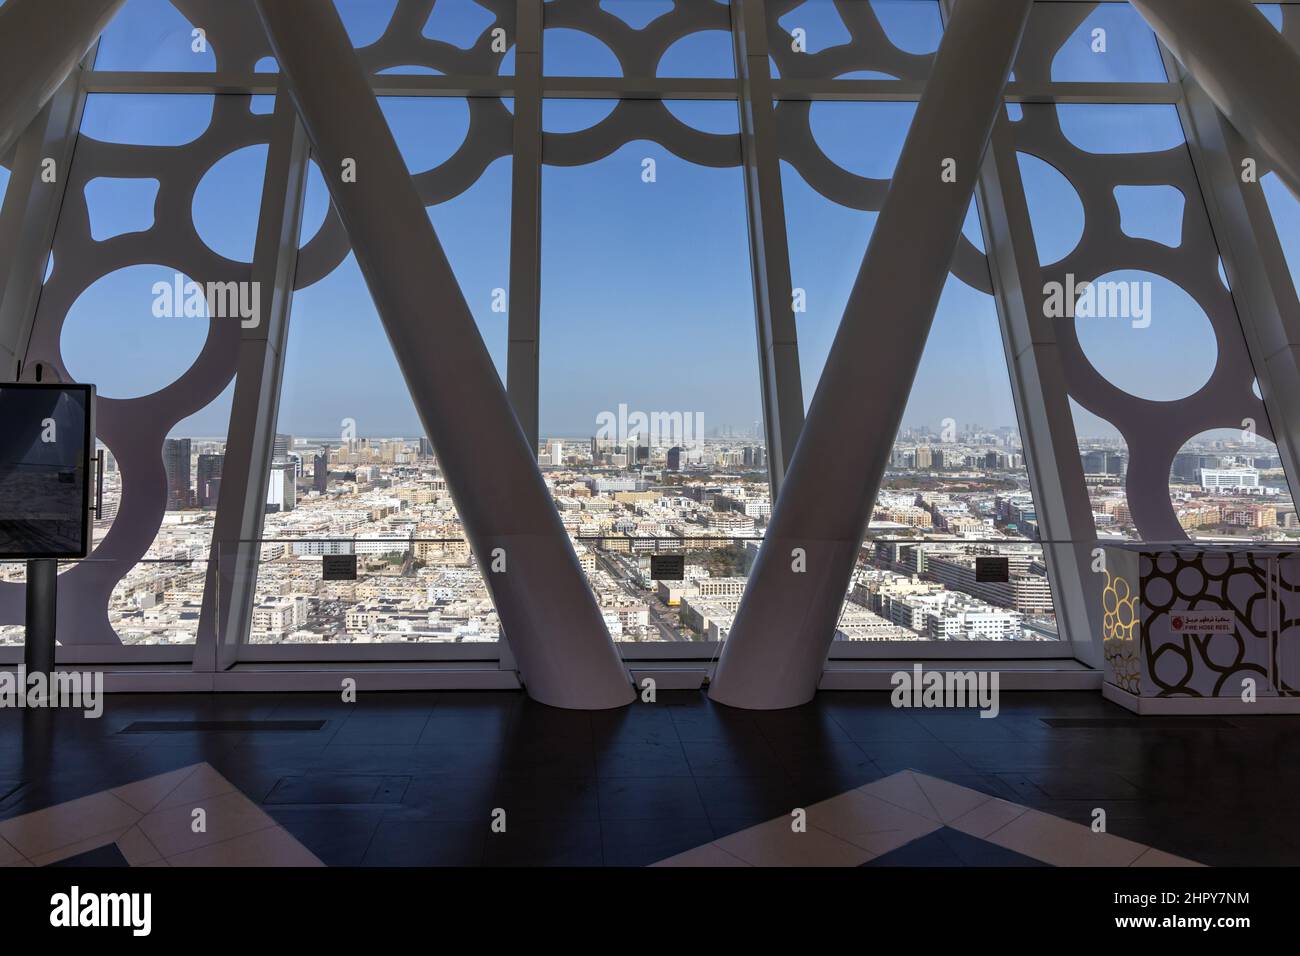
(956, 493)
(351, 470)
(135, 302)
(651, 434)
(1173, 437)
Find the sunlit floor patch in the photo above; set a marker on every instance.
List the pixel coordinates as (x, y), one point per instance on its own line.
(188, 817)
(914, 819)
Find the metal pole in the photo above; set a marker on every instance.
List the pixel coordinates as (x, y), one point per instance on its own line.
(777, 648)
(42, 611)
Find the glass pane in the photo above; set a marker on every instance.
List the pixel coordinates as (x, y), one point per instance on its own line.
(4, 178)
(867, 40)
(1149, 333)
(957, 473)
(908, 589)
(1089, 43)
(351, 471)
(150, 310)
(650, 415)
(163, 36)
(638, 38)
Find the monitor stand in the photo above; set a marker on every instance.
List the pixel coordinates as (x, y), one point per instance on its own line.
(42, 591)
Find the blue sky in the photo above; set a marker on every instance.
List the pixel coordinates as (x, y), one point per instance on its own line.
(646, 291)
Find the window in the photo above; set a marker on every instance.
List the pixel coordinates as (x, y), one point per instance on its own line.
(1174, 439)
(956, 492)
(651, 434)
(129, 306)
(351, 471)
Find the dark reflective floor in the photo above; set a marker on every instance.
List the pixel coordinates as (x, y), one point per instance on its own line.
(413, 778)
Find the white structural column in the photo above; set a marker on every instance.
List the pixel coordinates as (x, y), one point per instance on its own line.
(776, 651)
(1245, 66)
(548, 611)
(522, 376)
(41, 42)
(778, 349)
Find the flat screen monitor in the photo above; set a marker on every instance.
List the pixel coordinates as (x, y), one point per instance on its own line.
(46, 436)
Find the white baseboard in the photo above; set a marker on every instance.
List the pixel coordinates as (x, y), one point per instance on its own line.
(1190, 706)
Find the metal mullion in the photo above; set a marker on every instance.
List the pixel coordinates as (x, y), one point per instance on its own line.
(778, 349)
(234, 554)
(1038, 392)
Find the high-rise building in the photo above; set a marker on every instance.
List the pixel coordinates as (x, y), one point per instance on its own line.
(555, 453)
(281, 448)
(282, 489)
(176, 461)
(320, 475)
(208, 480)
(675, 458)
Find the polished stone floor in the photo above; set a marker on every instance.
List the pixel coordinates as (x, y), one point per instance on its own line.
(414, 778)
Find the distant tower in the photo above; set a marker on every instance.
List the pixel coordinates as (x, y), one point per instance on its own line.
(176, 461)
(208, 480)
(675, 458)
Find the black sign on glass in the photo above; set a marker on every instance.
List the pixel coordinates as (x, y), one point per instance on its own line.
(667, 567)
(993, 570)
(338, 567)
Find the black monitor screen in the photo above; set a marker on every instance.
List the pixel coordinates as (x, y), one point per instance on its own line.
(45, 448)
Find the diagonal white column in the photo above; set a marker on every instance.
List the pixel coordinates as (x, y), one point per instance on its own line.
(41, 42)
(777, 647)
(1246, 67)
(547, 609)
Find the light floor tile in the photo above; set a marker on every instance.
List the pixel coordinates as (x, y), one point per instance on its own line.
(869, 822)
(988, 817)
(775, 844)
(145, 795)
(203, 783)
(273, 846)
(228, 816)
(137, 848)
(708, 855)
(1154, 857)
(73, 849)
(8, 854)
(902, 790)
(43, 831)
(1063, 843)
(951, 801)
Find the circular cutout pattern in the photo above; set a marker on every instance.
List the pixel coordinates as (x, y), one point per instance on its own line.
(139, 314)
(1145, 335)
